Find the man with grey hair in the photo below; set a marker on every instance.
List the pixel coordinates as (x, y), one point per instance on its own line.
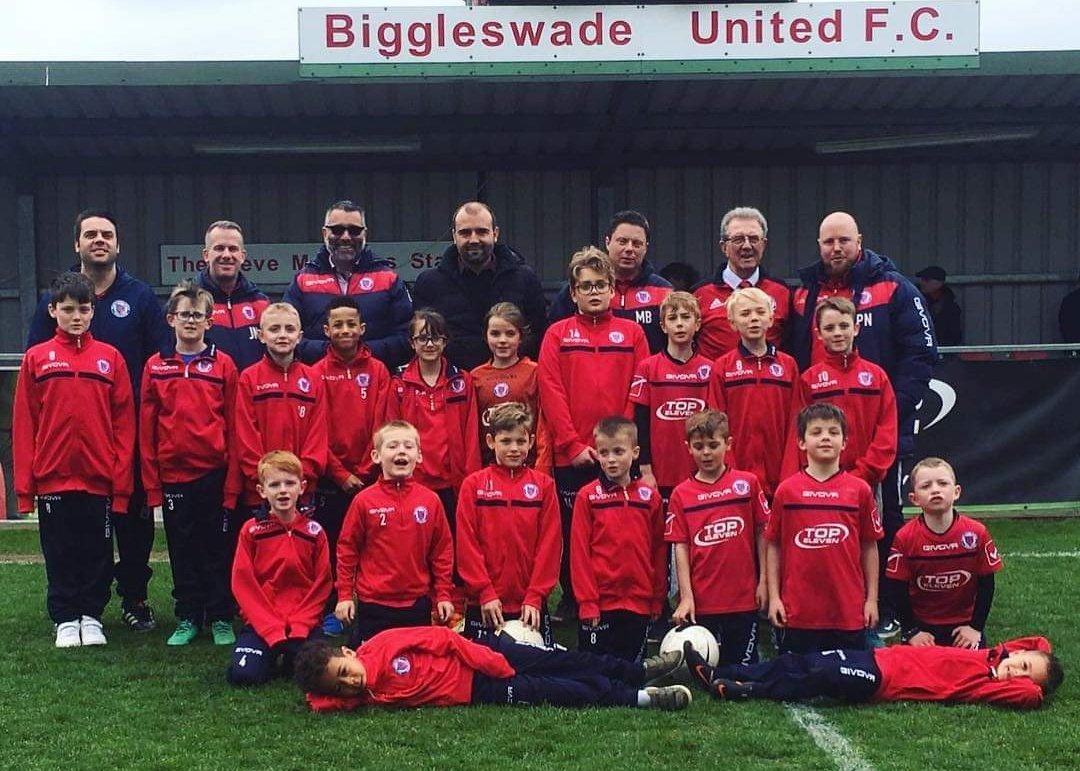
(744, 235)
(238, 303)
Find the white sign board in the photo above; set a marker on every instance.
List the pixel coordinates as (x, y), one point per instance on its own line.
(482, 34)
(276, 264)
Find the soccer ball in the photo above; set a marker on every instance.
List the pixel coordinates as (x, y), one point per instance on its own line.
(700, 638)
(518, 632)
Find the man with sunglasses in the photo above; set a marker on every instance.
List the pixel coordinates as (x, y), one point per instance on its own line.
(346, 266)
(744, 236)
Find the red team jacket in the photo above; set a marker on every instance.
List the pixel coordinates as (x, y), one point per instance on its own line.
(281, 576)
(513, 384)
(445, 417)
(939, 673)
(717, 336)
(586, 365)
(863, 391)
(73, 424)
(395, 546)
(418, 667)
(356, 402)
(185, 418)
(618, 558)
(276, 409)
(719, 523)
(942, 571)
(509, 537)
(820, 528)
(756, 393)
(672, 391)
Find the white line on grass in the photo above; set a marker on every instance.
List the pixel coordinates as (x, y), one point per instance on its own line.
(1043, 555)
(843, 753)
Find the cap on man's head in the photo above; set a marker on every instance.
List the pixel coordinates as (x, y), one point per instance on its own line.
(933, 273)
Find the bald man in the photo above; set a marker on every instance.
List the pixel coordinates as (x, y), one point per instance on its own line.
(896, 333)
(474, 274)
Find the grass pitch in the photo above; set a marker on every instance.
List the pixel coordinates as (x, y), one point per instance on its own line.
(137, 703)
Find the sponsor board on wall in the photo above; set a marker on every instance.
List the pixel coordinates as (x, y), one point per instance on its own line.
(642, 38)
(1011, 429)
(276, 264)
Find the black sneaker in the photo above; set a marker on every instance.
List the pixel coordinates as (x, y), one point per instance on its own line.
(662, 664)
(887, 628)
(725, 689)
(701, 674)
(139, 617)
(670, 698)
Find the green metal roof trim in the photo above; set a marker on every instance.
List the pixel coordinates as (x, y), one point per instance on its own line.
(289, 72)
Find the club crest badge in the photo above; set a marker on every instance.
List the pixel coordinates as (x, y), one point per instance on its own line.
(363, 380)
(457, 385)
(204, 366)
(367, 283)
(643, 296)
(969, 540)
(865, 298)
(120, 309)
(616, 336)
(866, 379)
(645, 493)
(704, 371)
(420, 514)
(740, 486)
(313, 527)
(401, 666)
(530, 491)
(776, 369)
(248, 312)
(104, 367)
(501, 390)
(304, 384)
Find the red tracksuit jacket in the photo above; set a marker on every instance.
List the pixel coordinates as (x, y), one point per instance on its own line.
(185, 418)
(73, 423)
(445, 417)
(417, 667)
(281, 576)
(586, 366)
(356, 397)
(938, 673)
(509, 537)
(756, 393)
(395, 546)
(276, 409)
(618, 558)
(863, 391)
(717, 336)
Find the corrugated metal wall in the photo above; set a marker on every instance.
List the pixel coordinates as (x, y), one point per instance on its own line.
(10, 326)
(969, 218)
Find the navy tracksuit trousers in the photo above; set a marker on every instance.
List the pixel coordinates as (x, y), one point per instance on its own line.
(850, 675)
(559, 677)
(76, 539)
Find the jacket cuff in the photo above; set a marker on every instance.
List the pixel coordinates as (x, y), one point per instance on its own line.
(588, 610)
(120, 503)
(154, 497)
(488, 594)
(25, 503)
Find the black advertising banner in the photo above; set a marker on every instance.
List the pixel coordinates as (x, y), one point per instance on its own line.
(1010, 428)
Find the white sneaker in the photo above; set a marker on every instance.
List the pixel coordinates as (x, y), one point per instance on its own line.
(67, 635)
(92, 633)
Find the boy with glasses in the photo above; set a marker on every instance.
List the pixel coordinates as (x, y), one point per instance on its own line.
(586, 365)
(185, 432)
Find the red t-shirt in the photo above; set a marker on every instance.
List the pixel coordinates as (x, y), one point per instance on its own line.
(719, 523)
(672, 391)
(943, 570)
(820, 528)
(516, 383)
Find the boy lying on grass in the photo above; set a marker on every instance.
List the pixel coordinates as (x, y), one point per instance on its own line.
(434, 666)
(1019, 673)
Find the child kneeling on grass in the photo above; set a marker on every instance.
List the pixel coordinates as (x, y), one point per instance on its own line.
(1019, 673)
(281, 576)
(434, 666)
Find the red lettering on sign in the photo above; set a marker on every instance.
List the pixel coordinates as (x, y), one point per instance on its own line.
(339, 32)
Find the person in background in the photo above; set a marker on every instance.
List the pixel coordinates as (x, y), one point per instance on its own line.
(947, 314)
